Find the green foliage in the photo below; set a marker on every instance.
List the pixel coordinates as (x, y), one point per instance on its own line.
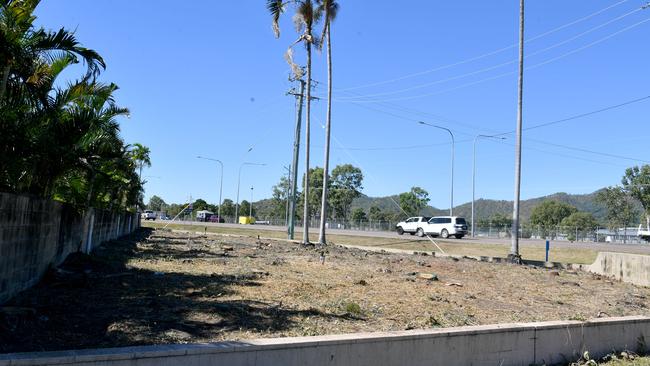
(358, 215)
(376, 214)
(156, 203)
(549, 214)
(228, 208)
(244, 208)
(637, 183)
(315, 190)
(346, 184)
(279, 198)
(353, 308)
(59, 139)
(414, 201)
(621, 211)
(580, 220)
(199, 205)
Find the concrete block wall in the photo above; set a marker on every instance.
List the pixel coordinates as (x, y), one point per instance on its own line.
(548, 343)
(626, 267)
(36, 233)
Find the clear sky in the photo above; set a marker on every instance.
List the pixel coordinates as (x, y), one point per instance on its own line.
(208, 78)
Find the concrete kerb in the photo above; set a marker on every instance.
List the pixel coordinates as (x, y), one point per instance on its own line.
(549, 342)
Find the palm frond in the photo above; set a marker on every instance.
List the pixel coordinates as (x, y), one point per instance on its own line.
(276, 8)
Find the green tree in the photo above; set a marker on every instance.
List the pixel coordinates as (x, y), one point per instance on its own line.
(636, 183)
(549, 214)
(228, 208)
(501, 220)
(199, 205)
(140, 154)
(578, 222)
(358, 215)
(620, 208)
(376, 214)
(315, 185)
(413, 201)
(156, 203)
(279, 197)
(244, 208)
(346, 185)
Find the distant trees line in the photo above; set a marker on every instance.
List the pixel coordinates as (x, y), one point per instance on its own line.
(60, 138)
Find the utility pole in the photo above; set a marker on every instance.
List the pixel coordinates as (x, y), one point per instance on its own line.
(300, 99)
(286, 195)
(514, 255)
(250, 206)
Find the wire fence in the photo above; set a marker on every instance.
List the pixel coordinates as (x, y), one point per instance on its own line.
(557, 233)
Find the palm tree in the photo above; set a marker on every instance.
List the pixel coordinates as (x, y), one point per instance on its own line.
(305, 18)
(140, 154)
(330, 9)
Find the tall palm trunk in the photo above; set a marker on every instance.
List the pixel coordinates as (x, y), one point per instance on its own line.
(4, 81)
(323, 212)
(305, 216)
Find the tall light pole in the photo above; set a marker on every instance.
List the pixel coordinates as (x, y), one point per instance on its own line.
(238, 185)
(220, 184)
(474, 171)
(514, 255)
(453, 143)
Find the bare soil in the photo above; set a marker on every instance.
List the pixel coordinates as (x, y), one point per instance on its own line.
(163, 287)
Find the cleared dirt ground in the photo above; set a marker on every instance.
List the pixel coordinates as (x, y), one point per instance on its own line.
(164, 287)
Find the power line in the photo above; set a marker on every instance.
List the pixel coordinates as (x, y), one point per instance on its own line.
(483, 70)
(499, 75)
(485, 54)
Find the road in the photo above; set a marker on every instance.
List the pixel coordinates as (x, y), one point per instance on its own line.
(601, 247)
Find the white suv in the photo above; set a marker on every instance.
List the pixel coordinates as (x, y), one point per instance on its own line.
(412, 225)
(148, 215)
(445, 226)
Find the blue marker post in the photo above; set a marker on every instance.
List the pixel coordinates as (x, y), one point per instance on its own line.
(548, 244)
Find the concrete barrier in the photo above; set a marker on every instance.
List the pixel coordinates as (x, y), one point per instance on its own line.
(557, 342)
(632, 268)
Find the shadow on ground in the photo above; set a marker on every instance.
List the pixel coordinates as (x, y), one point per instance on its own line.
(100, 301)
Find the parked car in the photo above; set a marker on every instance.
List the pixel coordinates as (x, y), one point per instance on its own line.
(644, 234)
(412, 225)
(215, 218)
(148, 215)
(446, 226)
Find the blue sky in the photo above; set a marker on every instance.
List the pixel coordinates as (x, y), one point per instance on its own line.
(208, 78)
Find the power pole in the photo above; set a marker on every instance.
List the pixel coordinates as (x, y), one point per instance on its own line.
(300, 98)
(514, 255)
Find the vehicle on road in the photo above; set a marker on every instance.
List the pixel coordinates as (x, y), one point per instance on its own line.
(148, 215)
(446, 226)
(215, 218)
(412, 225)
(203, 215)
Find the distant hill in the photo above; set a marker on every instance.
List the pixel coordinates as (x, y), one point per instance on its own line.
(485, 208)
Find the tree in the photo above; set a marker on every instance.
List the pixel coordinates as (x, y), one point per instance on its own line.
(346, 185)
(244, 208)
(228, 208)
(413, 201)
(578, 221)
(315, 185)
(636, 183)
(140, 154)
(156, 203)
(199, 205)
(330, 9)
(375, 214)
(358, 215)
(279, 197)
(304, 19)
(501, 220)
(549, 214)
(620, 208)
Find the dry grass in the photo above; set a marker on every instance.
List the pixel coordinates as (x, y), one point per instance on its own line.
(168, 287)
(457, 247)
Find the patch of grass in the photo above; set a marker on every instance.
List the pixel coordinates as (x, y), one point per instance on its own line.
(353, 308)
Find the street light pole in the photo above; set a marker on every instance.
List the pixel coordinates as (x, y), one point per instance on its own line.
(220, 184)
(238, 185)
(453, 143)
(474, 171)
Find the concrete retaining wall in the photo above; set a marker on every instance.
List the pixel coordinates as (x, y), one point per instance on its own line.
(506, 344)
(633, 268)
(36, 233)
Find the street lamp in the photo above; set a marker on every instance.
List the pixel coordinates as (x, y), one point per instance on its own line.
(238, 185)
(474, 170)
(220, 184)
(453, 142)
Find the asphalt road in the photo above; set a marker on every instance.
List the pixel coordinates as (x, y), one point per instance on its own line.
(602, 247)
